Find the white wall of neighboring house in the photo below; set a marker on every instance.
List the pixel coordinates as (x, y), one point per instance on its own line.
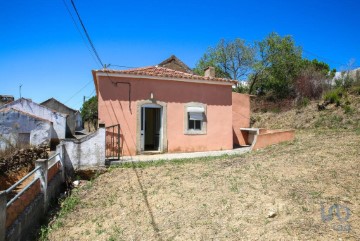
(79, 123)
(58, 119)
(339, 75)
(17, 126)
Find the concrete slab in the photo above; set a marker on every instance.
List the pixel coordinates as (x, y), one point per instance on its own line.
(172, 156)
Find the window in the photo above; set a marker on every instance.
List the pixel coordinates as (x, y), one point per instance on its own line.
(195, 118)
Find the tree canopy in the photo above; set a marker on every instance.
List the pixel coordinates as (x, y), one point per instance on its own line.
(271, 66)
(89, 111)
(231, 59)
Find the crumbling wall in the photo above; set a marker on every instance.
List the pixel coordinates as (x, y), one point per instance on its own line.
(86, 152)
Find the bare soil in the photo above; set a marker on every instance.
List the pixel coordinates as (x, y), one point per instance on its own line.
(227, 198)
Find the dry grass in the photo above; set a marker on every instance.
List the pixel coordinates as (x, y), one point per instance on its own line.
(225, 198)
(341, 117)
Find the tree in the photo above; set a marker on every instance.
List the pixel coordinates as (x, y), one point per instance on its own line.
(231, 59)
(89, 111)
(278, 64)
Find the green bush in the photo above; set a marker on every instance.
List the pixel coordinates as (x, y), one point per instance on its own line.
(334, 96)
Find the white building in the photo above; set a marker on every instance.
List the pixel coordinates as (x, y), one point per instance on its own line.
(57, 119)
(17, 127)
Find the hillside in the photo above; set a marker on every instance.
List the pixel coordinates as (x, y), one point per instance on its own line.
(345, 116)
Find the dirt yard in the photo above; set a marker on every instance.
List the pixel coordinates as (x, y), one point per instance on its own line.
(272, 194)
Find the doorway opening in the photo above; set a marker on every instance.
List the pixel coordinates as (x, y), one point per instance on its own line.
(151, 128)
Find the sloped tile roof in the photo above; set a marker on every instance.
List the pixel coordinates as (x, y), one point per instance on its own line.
(165, 72)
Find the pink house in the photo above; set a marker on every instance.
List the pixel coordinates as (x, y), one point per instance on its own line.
(165, 110)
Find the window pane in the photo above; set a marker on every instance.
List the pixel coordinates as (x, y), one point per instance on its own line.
(191, 125)
(197, 125)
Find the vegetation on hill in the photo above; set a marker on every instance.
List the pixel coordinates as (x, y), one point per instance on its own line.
(338, 109)
(274, 67)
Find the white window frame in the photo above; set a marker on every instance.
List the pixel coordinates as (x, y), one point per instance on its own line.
(188, 131)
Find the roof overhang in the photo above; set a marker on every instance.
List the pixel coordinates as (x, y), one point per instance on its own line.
(97, 74)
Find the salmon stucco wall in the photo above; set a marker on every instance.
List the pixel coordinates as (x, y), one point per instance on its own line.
(115, 108)
(270, 137)
(240, 117)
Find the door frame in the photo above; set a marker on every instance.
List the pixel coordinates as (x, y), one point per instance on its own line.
(141, 105)
(142, 129)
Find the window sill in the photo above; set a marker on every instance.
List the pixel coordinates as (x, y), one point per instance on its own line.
(194, 132)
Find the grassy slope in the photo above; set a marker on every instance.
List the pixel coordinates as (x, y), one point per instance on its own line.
(309, 117)
(225, 198)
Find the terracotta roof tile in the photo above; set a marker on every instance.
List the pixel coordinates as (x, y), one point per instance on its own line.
(164, 72)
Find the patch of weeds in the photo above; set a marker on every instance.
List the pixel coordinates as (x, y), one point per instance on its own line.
(44, 233)
(69, 204)
(334, 96)
(205, 174)
(348, 110)
(333, 174)
(357, 131)
(99, 231)
(66, 206)
(305, 209)
(315, 194)
(181, 161)
(303, 102)
(275, 110)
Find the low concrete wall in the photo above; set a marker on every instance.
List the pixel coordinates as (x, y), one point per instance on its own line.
(27, 221)
(20, 219)
(270, 137)
(86, 152)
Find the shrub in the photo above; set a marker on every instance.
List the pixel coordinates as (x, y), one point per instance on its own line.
(310, 83)
(334, 96)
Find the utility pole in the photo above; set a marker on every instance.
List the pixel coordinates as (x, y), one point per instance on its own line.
(20, 90)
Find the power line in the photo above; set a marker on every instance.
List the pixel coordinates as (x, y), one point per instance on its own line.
(86, 33)
(78, 92)
(326, 59)
(78, 29)
(121, 66)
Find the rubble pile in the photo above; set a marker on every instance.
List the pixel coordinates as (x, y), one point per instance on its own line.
(23, 158)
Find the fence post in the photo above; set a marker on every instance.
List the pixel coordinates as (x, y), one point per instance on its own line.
(42, 174)
(61, 151)
(3, 202)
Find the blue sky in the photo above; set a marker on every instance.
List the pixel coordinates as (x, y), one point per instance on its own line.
(41, 49)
